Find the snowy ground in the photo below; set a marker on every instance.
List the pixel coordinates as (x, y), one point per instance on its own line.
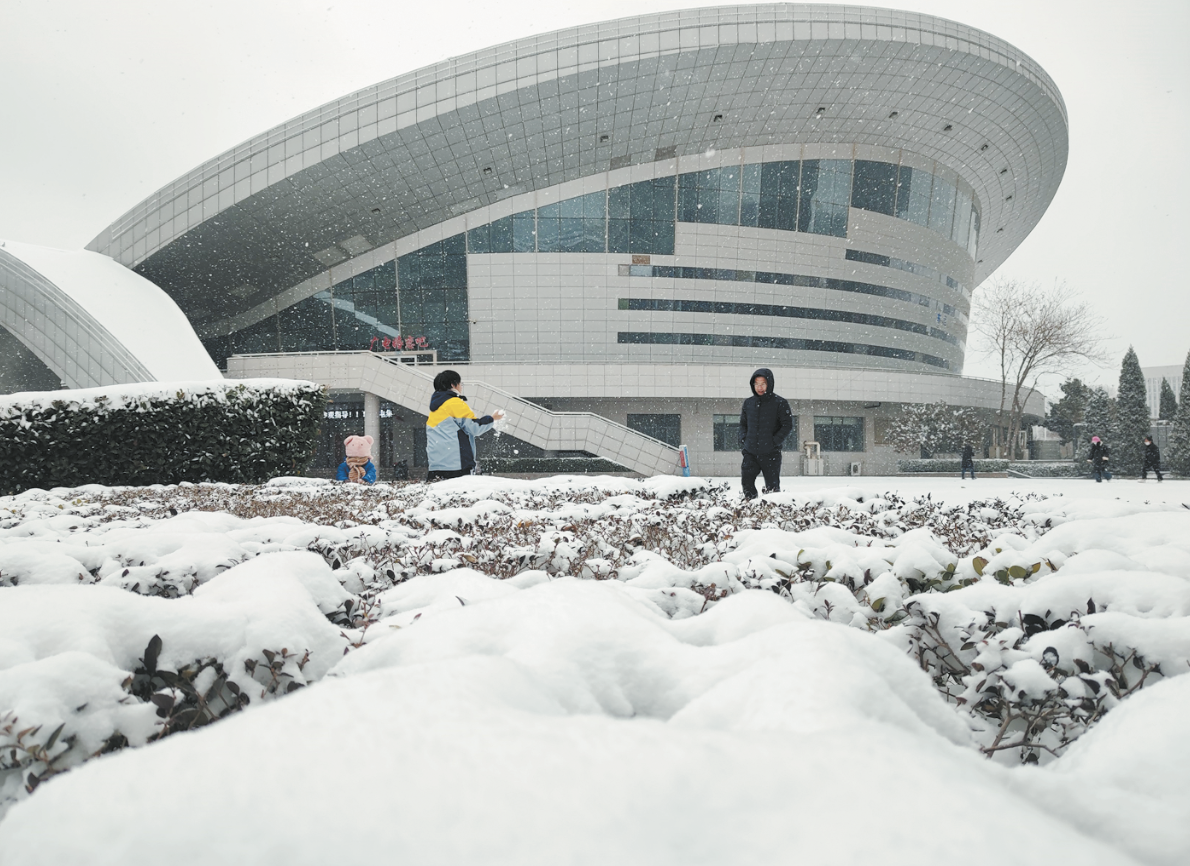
(597, 671)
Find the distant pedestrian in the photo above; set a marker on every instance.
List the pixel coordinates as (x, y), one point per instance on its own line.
(1098, 458)
(1152, 459)
(765, 421)
(451, 429)
(357, 467)
(968, 462)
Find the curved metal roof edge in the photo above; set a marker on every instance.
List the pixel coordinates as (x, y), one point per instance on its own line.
(962, 36)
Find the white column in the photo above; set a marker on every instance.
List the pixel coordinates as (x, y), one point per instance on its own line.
(372, 422)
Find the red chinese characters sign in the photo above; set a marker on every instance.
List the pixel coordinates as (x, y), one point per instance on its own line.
(397, 344)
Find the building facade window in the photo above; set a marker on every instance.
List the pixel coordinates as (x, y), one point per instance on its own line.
(671, 272)
(667, 428)
(726, 434)
(875, 187)
(909, 267)
(811, 196)
(432, 291)
(825, 196)
(729, 308)
(424, 293)
(744, 341)
(711, 196)
(641, 216)
(839, 433)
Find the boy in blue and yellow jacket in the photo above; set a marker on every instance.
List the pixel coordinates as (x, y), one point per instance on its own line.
(451, 429)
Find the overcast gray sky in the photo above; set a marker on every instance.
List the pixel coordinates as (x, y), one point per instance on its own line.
(102, 103)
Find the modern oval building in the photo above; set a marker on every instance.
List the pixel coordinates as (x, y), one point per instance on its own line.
(628, 218)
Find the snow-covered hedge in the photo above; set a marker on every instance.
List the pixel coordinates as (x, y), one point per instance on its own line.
(554, 465)
(1054, 469)
(951, 465)
(895, 633)
(158, 433)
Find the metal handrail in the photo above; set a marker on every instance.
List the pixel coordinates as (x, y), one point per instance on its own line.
(513, 398)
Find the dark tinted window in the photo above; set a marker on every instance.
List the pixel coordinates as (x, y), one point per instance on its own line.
(667, 428)
(839, 434)
(874, 187)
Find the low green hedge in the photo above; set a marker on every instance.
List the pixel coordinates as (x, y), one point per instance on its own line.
(951, 465)
(556, 465)
(156, 433)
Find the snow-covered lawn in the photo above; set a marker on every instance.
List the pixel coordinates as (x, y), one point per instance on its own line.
(599, 671)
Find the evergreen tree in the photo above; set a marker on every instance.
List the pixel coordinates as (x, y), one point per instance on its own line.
(1179, 432)
(1069, 411)
(1132, 417)
(1169, 403)
(1098, 418)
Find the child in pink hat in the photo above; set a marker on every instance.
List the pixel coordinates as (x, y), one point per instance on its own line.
(358, 467)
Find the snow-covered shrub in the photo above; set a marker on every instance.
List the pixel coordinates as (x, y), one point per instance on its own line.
(1009, 605)
(1033, 682)
(950, 465)
(553, 465)
(935, 427)
(1053, 469)
(158, 433)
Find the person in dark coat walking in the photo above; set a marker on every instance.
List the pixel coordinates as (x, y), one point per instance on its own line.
(1098, 458)
(968, 463)
(765, 421)
(1152, 459)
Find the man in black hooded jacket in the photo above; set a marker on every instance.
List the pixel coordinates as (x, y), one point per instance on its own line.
(765, 421)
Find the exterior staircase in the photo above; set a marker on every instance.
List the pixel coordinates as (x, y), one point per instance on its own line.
(410, 386)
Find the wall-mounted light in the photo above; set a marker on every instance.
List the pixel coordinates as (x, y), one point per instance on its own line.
(717, 118)
(487, 169)
(893, 115)
(948, 127)
(1008, 198)
(603, 139)
(982, 148)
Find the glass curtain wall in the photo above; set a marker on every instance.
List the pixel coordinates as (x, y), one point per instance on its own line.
(424, 293)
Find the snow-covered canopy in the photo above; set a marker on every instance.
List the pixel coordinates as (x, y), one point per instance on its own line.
(136, 314)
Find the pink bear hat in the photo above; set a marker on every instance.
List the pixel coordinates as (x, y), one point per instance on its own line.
(358, 446)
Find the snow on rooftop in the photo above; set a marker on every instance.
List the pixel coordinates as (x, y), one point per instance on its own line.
(134, 310)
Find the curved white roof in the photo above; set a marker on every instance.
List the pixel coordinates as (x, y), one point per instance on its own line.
(132, 329)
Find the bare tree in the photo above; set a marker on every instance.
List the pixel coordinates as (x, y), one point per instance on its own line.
(1033, 333)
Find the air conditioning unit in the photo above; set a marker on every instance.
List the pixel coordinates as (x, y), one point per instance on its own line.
(856, 467)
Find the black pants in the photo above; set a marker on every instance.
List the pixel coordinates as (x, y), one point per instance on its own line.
(753, 465)
(1144, 472)
(443, 474)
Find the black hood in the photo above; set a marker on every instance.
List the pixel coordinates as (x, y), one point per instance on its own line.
(768, 377)
(441, 397)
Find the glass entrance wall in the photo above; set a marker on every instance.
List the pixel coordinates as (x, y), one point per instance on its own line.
(373, 310)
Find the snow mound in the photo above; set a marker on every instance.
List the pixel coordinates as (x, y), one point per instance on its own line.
(590, 671)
